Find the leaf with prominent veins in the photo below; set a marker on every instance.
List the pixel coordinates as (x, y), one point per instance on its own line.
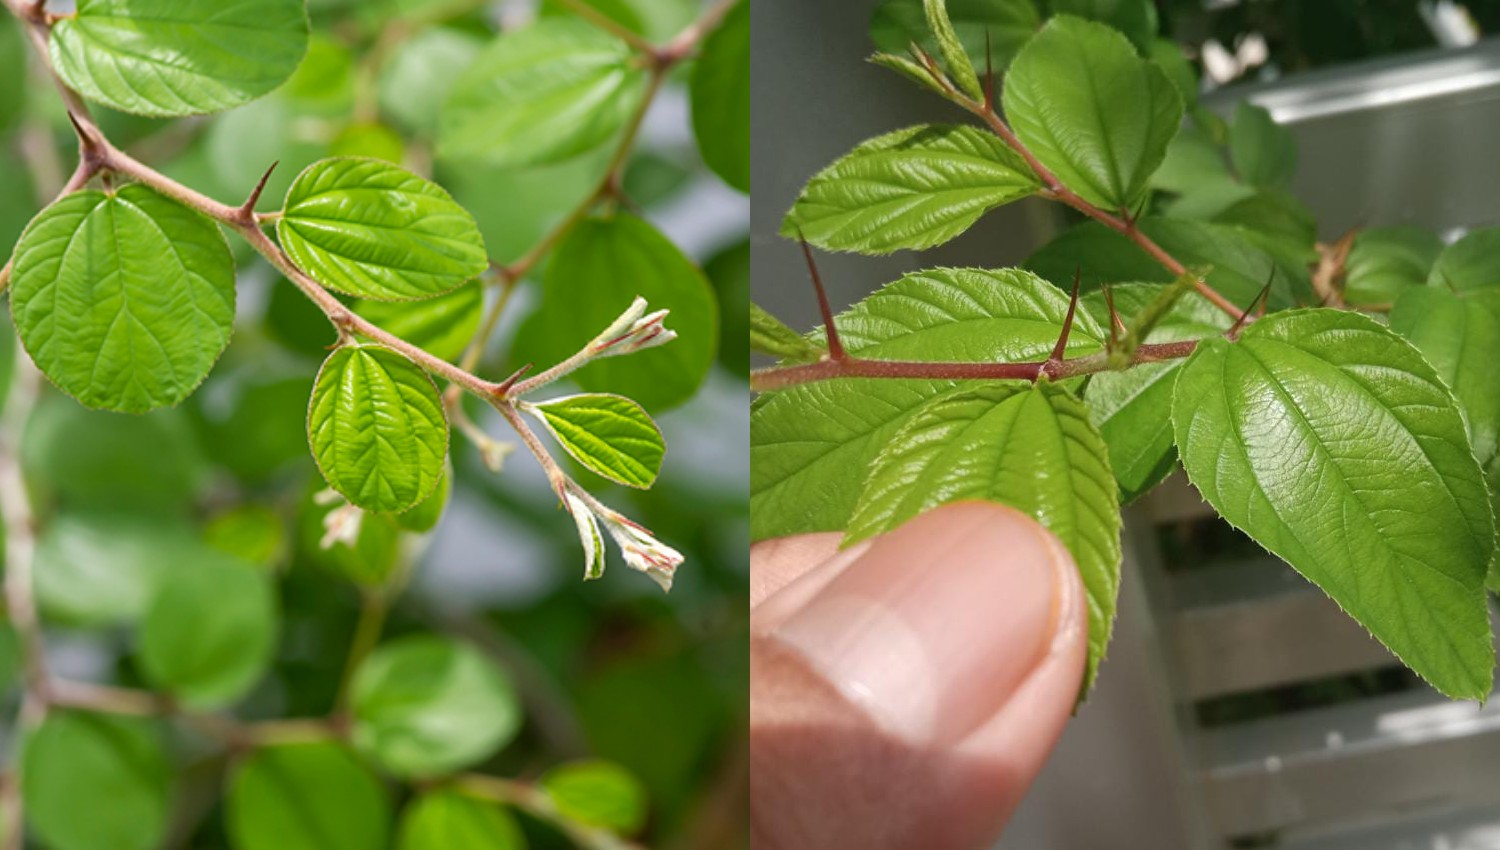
(911, 189)
(178, 57)
(124, 299)
(369, 228)
(1331, 442)
(377, 428)
(609, 434)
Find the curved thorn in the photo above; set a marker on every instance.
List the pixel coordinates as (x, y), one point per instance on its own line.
(247, 209)
(835, 345)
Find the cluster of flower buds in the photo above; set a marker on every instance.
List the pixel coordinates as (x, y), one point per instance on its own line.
(642, 551)
(340, 525)
(635, 330)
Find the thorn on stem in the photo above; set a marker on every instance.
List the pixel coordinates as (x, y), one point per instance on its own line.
(505, 386)
(247, 209)
(1257, 307)
(88, 140)
(835, 346)
(1062, 339)
(989, 72)
(1116, 324)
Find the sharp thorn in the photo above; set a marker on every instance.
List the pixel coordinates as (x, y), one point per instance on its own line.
(1062, 338)
(989, 72)
(1256, 307)
(247, 210)
(1116, 324)
(504, 386)
(835, 345)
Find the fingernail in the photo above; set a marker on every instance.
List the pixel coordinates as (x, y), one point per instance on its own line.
(932, 629)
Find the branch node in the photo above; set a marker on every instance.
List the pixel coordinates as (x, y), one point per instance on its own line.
(1116, 324)
(90, 145)
(246, 212)
(835, 346)
(504, 387)
(1062, 339)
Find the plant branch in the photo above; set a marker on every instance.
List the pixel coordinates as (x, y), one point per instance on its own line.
(586, 10)
(539, 805)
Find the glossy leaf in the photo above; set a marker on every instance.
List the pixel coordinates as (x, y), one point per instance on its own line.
(449, 820)
(609, 434)
(178, 57)
(1386, 260)
(124, 300)
(426, 706)
(308, 795)
(955, 60)
(1332, 443)
(377, 428)
(209, 631)
(376, 230)
(1472, 262)
(599, 794)
(1264, 153)
(811, 445)
(1095, 113)
(1133, 408)
(721, 98)
(441, 326)
(1028, 446)
(914, 188)
(541, 94)
(93, 782)
(595, 274)
(898, 23)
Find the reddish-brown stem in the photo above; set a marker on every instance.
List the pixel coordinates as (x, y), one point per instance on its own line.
(1056, 359)
(1116, 324)
(835, 346)
(782, 377)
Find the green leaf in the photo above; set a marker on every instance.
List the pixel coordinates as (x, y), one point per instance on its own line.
(254, 428)
(1331, 442)
(729, 271)
(542, 93)
(1472, 262)
(426, 706)
(721, 99)
(376, 230)
(124, 300)
(377, 428)
(1133, 408)
(1095, 113)
(1174, 63)
(178, 57)
(101, 567)
(369, 139)
(1136, 19)
(428, 512)
(1192, 163)
(441, 326)
(13, 53)
(1029, 446)
(955, 58)
(369, 561)
(1237, 267)
(416, 80)
(609, 434)
(600, 794)
(1386, 260)
(896, 24)
(93, 782)
(209, 631)
(1264, 153)
(769, 335)
(594, 275)
(811, 445)
(309, 795)
(448, 820)
(914, 188)
(1460, 336)
(253, 533)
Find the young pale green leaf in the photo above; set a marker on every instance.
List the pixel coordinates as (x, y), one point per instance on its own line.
(376, 230)
(1136, 19)
(308, 795)
(542, 93)
(446, 819)
(1237, 267)
(209, 630)
(178, 57)
(1472, 262)
(93, 782)
(912, 189)
(441, 326)
(1264, 153)
(377, 428)
(1028, 446)
(721, 98)
(811, 445)
(1133, 408)
(1386, 260)
(960, 69)
(426, 706)
(907, 68)
(594, 275)
(1005, 24)
(1095, 113)
(1460, 336)
(609, 434)
(124, 299)
(600, 794)
(1331, 442)
(769, 335)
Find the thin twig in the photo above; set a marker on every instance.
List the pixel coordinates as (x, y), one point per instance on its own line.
(540, 806)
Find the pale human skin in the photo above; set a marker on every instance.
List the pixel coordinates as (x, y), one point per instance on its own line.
(906, 692)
